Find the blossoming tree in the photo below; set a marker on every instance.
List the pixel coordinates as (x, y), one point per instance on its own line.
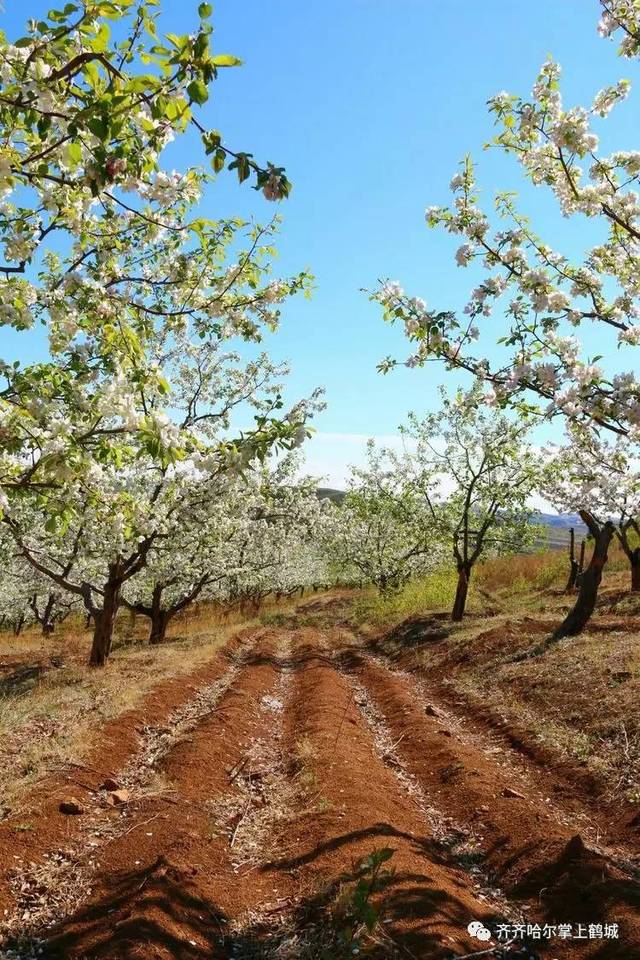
(93, 532)
(543, 295)
(474, 472)
(102, 246)
(601, 481)
(240, 538)
(381, 533)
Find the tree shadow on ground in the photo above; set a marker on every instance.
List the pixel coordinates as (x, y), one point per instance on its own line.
(164, 912)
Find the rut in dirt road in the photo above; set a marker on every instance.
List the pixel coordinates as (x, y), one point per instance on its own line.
(526, 842)
(261, 827)
(313, 756)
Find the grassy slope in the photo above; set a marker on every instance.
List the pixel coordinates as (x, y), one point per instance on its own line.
(580, 702)
(48, 722)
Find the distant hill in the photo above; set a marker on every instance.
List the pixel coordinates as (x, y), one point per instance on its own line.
(562, 520)
(328, 493)
(556, 525)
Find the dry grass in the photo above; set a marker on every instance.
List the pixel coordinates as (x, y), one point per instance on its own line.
(54, 720)
(524, 572)
(540, 570)
(580, 701)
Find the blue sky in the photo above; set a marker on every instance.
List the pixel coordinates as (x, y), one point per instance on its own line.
(370, 104)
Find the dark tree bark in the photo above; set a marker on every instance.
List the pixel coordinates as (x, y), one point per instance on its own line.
(573, 563)
(583, 546)
(632, 553)
(635, 570)
(160, 616)
(159, 624)
(45, 617)
(104, 619)
(462, 589)
(577, 618)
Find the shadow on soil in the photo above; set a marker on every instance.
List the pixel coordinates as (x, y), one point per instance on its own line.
(158, 913)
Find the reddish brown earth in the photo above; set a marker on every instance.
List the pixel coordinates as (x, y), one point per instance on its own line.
(317, 752)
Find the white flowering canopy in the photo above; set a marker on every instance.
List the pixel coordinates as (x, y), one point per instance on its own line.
(109, 253)
(542, 295)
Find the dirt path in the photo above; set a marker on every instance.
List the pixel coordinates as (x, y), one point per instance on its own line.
(255, 800)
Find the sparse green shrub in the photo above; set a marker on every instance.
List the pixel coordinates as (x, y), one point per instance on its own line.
(356, 917)
(551, 573)
(433, 592)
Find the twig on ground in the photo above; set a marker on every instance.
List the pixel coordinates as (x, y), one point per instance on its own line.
(237, 768)
(240, 819)
(389, 751)
(143, 824)
(498, 950)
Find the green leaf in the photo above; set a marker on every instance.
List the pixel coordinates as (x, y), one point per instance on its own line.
(226, 60)
(218, 160)
(74, 151)
(99, 127)
(101, 41)
(198, 91)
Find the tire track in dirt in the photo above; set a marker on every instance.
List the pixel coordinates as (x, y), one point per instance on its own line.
(178, 888)
(528, 843)
(309, 759)
(209, 877)
(360, 807)
(50, 888)
(49, 831)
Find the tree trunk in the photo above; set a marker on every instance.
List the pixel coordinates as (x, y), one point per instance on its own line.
(577, 619)
(573, 564)
(48, 622)
(573, 576)
(580, 563)
(159, 623)
(159, 617)
(460, 602)
(104, 621)
(634, 560)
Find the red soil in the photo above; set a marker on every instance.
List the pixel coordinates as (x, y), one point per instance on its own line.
(276, 795)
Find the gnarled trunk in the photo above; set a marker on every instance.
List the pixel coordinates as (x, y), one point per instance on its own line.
(159, 624)
(104, 622)
(574, 568)
(462, 589)
(159, 617)
(634, 561)
(577, 619)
